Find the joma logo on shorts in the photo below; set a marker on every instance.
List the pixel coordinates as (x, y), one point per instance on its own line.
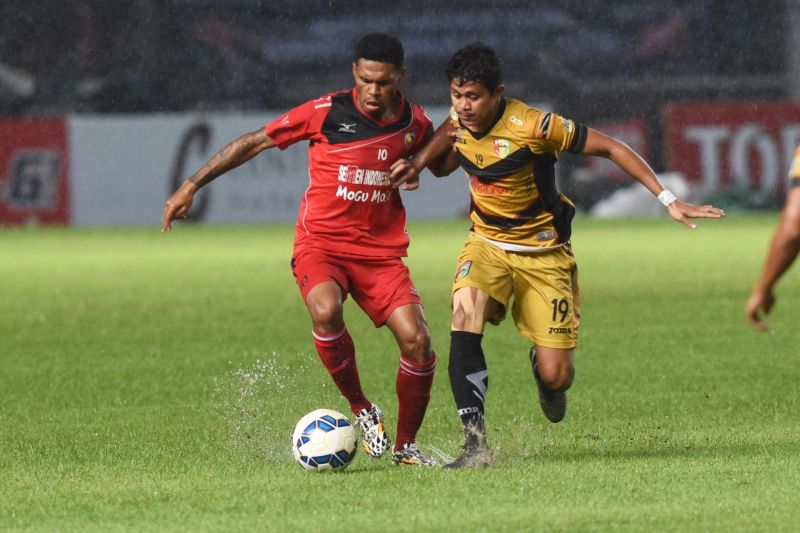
(560, 330)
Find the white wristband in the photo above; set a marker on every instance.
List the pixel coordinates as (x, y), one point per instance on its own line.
(666, 197)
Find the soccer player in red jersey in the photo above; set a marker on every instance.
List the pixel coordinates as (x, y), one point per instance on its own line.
(350, 233)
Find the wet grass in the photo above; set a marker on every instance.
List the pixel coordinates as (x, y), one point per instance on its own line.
(150, 382)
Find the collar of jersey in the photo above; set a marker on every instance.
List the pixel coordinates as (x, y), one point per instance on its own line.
(382, 123)
(500, 110)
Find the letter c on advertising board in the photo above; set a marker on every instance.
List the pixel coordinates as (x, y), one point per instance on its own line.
(199, 135)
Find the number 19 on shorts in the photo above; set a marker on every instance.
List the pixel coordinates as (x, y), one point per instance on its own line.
(560, 309)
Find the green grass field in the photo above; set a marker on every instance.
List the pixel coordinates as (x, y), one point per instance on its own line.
(150, 382)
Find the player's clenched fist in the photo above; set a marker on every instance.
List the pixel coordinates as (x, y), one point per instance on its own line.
(402, 172)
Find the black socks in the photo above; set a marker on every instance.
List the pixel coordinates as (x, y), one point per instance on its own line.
(469, 381)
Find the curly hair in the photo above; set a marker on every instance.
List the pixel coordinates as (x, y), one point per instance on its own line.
(380, 47)
(476, 62)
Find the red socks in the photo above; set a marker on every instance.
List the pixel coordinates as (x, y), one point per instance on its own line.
(339, 356)
(413, 388)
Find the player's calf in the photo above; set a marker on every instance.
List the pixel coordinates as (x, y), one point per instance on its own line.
(469, 381)
(553, 401)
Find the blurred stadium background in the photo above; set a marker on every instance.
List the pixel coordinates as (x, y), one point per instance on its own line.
(109, 102)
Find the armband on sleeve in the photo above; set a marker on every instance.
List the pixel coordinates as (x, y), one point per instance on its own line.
(579, 140)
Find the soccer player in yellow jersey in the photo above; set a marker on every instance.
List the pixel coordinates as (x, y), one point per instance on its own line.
(519, 243)
(782, 252)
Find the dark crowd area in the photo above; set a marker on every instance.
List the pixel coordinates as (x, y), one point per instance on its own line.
(114, 56)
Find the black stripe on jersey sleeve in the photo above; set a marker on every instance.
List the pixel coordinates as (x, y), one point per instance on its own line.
(500, 169)
(344, 123)
(579, 141)
(526, 215)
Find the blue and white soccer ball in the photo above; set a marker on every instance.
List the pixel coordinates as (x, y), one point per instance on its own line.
(324, 440)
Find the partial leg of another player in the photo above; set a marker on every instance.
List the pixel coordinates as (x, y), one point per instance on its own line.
(414, 381)
(337, 352)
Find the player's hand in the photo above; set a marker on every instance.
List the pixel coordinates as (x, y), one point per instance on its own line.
(682, 212)
(402, 172)
(759, 301)
(177, 205)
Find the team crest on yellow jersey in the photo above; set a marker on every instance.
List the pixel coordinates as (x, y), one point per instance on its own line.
(463, 270)
(409, 139)
(502, 148)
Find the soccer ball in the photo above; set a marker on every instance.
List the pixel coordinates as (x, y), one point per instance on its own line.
(324, 440)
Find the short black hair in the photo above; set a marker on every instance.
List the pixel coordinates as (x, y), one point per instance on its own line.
(476, 62)
(380, 47)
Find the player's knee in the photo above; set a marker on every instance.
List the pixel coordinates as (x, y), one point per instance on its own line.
(459, 319)
(326, 316)
(466, 321)
(557, 377)
(417, 346)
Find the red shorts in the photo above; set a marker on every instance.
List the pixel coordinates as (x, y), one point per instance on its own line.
(379, 285)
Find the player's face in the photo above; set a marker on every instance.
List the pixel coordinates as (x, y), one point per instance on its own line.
(377, 84)
(475, 104)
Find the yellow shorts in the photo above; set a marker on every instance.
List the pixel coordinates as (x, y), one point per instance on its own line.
(541, 283)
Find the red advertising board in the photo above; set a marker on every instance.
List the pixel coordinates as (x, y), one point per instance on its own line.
(739, 145)
(33, 171)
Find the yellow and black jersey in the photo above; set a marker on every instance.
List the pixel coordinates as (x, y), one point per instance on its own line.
(511, 172)
(794, 171)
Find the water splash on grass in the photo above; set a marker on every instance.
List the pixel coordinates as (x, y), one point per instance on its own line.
(256, 405)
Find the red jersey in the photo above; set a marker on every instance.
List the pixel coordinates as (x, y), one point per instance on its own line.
(349, 206)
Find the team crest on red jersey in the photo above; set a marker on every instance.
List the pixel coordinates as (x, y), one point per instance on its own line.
(409, 139)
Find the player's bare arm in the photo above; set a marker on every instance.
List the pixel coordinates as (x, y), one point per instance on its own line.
(782, 253)
(437, 155)
(599, 144)
(231, 156)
